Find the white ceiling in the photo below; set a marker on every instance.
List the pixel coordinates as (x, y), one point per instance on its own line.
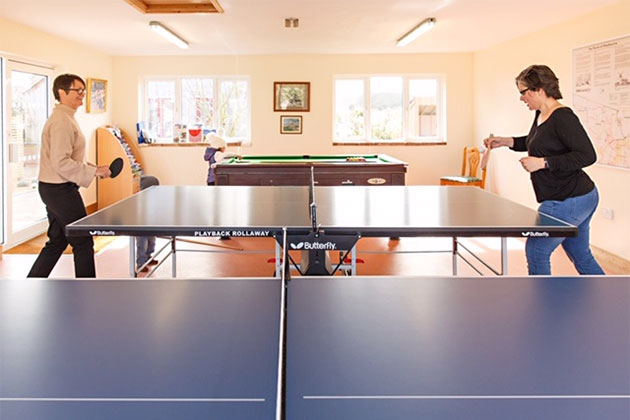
(326, 26)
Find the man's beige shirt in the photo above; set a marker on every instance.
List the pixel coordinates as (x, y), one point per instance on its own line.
(62, 156)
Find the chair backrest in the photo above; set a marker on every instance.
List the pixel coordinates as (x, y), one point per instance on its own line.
(470, 164)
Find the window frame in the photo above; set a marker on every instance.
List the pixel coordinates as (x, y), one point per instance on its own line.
(178, 106)
(407, 138)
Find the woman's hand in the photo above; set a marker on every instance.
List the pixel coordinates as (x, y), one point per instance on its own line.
(493, 142)
(532, 163)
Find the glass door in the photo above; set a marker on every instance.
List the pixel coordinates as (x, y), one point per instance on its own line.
(28, 107)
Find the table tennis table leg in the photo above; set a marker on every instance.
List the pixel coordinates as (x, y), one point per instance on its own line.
(132, 257)
(504, 257)
(353, 260)
(173, 257)
(455, 251)
(278, 262)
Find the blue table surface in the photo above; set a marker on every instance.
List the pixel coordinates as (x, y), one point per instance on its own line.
(356, 348)
(141, 349)
(371, 211)
(445, 348)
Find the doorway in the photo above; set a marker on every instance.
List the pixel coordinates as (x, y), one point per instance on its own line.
(28, 105)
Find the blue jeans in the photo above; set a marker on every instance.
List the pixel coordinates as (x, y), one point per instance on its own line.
(577, 211)
(145, 245)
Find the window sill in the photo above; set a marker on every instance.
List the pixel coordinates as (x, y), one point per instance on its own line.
(184, 144)
(390, 143)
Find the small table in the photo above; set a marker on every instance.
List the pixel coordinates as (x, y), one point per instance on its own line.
(329, 170)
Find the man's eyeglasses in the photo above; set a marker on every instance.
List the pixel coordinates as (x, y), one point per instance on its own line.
(80, 91)
(524, 91)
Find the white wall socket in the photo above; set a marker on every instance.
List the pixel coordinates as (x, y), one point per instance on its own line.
(607, 213)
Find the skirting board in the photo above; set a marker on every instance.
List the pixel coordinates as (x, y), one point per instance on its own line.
(612, 261)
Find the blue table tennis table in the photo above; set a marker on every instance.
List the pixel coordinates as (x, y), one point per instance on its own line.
(318, 220)
(316, 348)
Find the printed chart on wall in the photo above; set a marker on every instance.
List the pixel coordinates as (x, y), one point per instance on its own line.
(601, 98)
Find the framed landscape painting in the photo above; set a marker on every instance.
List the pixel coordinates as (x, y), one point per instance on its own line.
(290, 124)
(291, 96)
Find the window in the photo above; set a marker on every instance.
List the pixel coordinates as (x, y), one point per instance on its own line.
(349, 109)
(198, 101)
(386, 95)
(233, 108)
(221, 104)
(392, 108)
(26, 99)
(422, 108)
(160, 108)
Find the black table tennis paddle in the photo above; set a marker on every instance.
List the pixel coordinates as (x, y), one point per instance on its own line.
(115, 167)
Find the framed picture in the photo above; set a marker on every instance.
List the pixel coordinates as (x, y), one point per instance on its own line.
(290, 124)
(292, 96)
(96, 95)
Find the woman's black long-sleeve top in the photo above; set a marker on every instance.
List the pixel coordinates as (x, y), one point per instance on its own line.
(562, 140)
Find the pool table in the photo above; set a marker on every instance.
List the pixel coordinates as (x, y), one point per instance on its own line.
(329, 170)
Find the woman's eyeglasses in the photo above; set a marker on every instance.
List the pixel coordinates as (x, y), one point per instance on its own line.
(80, 91)
(524, 91)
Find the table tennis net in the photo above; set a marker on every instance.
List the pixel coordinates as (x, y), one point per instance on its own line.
(312, 205)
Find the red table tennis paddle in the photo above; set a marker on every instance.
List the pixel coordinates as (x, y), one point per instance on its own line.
(115, 167)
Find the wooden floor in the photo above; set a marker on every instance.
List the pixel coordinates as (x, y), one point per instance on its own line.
(113, 260)
(35, 245)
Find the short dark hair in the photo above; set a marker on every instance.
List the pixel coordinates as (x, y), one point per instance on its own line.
(64, 81)
(542, 77)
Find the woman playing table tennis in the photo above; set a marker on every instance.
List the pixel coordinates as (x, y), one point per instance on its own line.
(557, 149)
(62, 171)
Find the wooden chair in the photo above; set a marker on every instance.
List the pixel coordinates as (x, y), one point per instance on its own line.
(470, 168)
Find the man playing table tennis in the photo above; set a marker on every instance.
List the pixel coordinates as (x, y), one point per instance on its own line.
(62, 171)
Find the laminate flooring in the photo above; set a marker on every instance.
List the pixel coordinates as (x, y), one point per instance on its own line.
(381, 256)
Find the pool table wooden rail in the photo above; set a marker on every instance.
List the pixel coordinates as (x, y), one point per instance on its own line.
(260, 170)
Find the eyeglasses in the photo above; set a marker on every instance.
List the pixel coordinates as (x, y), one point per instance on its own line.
(80, 91)
(524, 91)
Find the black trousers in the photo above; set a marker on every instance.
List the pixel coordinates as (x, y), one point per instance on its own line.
(64, 205)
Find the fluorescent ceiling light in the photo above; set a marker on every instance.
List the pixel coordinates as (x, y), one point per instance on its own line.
(168, 34)
(422, 27)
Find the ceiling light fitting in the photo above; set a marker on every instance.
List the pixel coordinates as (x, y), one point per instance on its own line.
(421, 28)
(168, 34)
(291, 22)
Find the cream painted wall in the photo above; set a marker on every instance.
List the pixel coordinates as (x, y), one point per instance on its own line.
(66, 57)
(480, 82)
(499, 111)
(185, 165)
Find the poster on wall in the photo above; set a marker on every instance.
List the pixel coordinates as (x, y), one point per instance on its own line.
(601, 98)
